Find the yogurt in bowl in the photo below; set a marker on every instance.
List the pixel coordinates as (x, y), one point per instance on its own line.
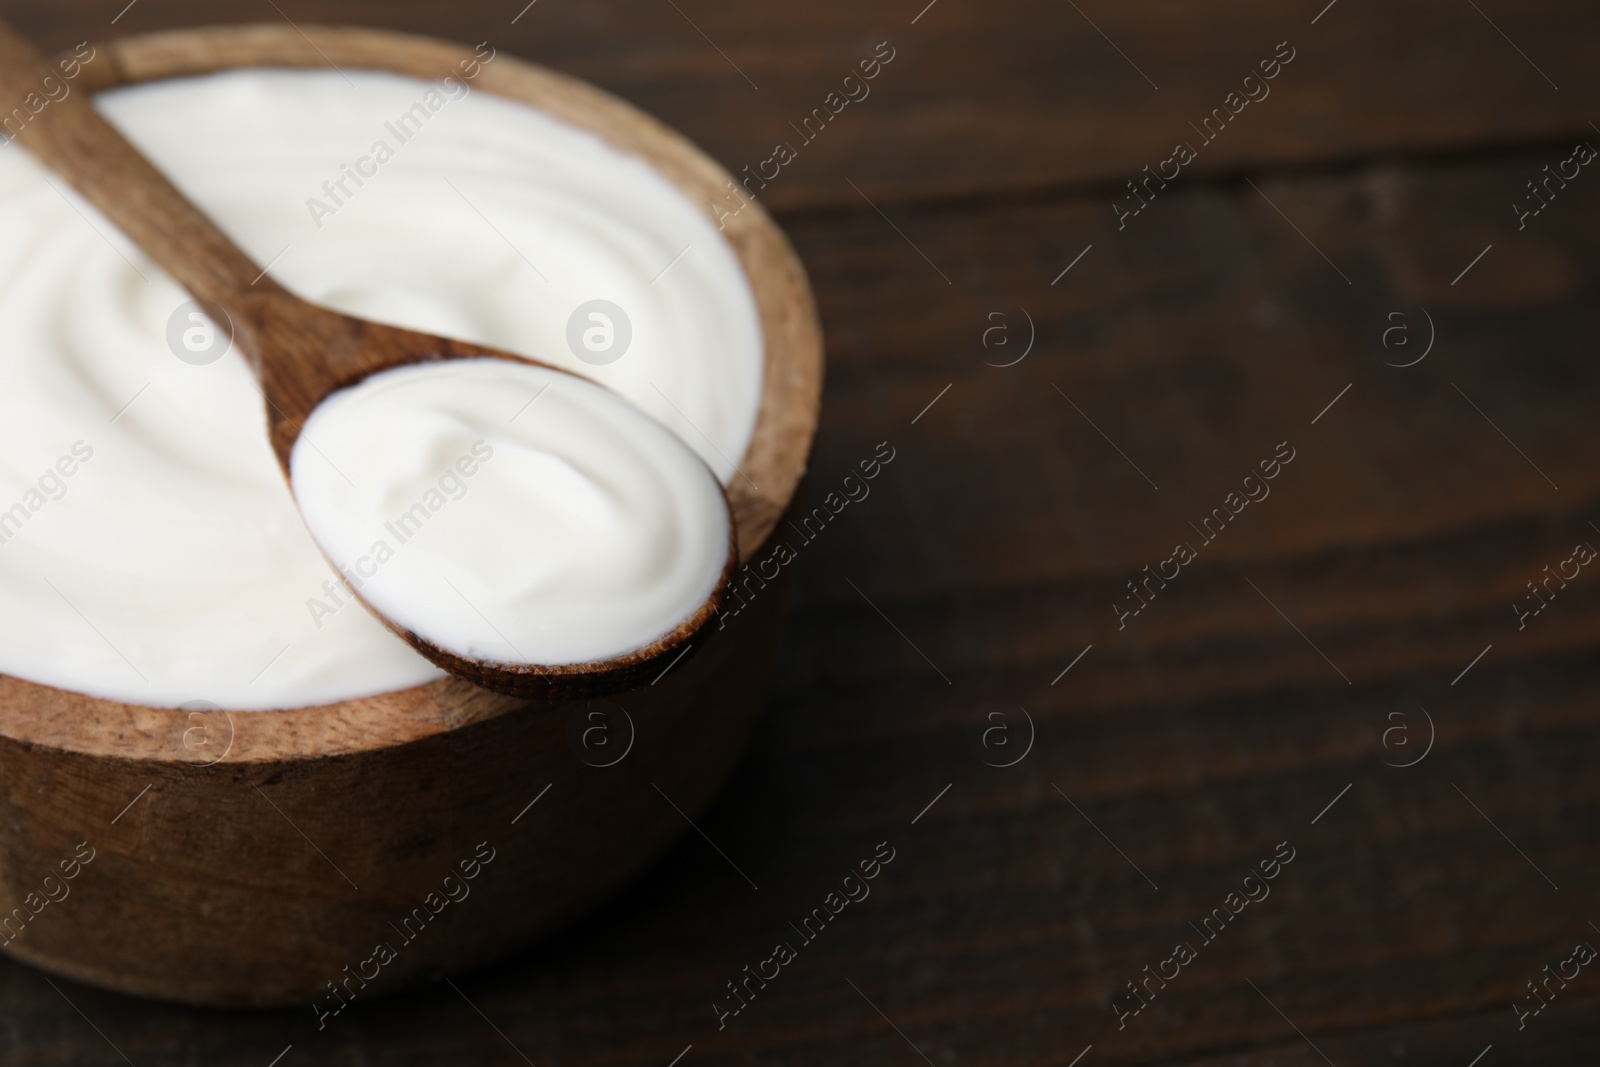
(185, 685)
(173, 566)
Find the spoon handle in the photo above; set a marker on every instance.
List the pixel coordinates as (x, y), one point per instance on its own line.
(70, 137)
(300, 352)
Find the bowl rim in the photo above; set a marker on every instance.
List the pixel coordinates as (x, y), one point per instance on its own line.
(773, 463)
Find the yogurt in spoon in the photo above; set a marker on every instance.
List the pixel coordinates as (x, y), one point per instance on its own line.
(508, 513)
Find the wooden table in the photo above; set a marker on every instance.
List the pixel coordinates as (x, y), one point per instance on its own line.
(1337, 671)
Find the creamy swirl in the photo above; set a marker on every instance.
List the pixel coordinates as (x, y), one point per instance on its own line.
(511, 513)
(171, 564)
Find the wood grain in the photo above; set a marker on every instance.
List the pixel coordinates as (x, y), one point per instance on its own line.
(1020, 97)
(71, 760)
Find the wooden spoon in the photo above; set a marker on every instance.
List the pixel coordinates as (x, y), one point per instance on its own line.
(300, 353)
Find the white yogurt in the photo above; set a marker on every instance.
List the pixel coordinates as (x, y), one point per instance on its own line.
(171, 564)
(510, 513)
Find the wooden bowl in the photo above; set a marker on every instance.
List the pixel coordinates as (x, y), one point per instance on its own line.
(268, 857)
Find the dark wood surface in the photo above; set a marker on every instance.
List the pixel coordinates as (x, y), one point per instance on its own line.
(1227, 716)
